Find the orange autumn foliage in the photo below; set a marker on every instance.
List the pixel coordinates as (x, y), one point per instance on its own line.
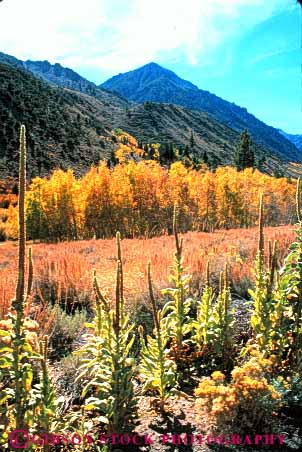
(62, 272)
(137, 198)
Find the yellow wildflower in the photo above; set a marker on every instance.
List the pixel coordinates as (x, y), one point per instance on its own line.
(218, 376)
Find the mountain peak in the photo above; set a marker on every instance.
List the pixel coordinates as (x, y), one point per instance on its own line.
(157, 84)
(143, 78)
(152, 64)
(55, 70)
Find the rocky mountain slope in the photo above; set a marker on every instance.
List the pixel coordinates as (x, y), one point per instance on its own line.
(295, 139)
(68, 128)
(157, 84)
(65, 78)
(65, 128)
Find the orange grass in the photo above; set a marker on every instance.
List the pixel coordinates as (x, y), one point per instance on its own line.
(64, 271)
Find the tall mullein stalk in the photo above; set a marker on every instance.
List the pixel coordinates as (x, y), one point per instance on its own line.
(117, 388)
(176, 311)
(118, 304)
(123, 402)
(102, 306)
(273, 292)
(45, 382)
(18, 339)
(98, 305)
(223, 320)
(107, 363)
(297, 330)
(291, 289)
(268, 303)
(179, 282)
(261, 231)
(272, 267)
(19, 302)
(159, 340)
(156, 368)
(226, 294)
(260, 318)
(203, 333)
(152, 299)
(46, 398)
(121, 276)
(220, 309)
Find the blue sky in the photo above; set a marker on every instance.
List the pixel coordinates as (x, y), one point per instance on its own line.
(246, 51)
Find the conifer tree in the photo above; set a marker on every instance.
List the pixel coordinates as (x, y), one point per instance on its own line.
(186, 152)
(192, 141)
(171, 153)
(112, 159)
(244, 156)
(205, 158)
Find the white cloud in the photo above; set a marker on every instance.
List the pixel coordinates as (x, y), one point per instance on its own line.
(117, 35)
(48, 29)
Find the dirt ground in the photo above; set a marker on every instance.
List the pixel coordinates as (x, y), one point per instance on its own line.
(182, 430)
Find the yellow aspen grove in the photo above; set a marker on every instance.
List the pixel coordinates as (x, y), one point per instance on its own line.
(139, 197)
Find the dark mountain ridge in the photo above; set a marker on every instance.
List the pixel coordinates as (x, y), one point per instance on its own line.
(295, 139)
(71, 128)
(137, 80)
(156, 84)
(64, 128)
(64, 77)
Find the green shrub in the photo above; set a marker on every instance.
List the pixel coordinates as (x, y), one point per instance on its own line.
(66, 330)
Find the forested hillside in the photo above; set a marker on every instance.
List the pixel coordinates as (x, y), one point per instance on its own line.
(63, 128)
(157, 84)
(75, 127)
